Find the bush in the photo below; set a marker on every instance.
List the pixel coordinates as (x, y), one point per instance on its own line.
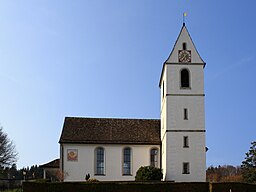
(149, 173)
(92, 180)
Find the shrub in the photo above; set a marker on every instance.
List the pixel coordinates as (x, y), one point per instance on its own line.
(92, 180)
(149, 173)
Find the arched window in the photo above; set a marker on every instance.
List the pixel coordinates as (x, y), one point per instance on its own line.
(99, 161)
(127, 156)
(184, 78)
(154, 157)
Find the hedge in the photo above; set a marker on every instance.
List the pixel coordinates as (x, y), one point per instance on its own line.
(115, 187)
(137, 187)
(232, 187)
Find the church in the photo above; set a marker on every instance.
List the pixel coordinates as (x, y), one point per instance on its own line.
(113, 149)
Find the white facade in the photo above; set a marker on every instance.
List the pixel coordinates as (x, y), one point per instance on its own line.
(181, 154)
(113, 161)
(182, 114)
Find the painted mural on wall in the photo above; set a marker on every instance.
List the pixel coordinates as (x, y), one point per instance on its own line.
(72, 154)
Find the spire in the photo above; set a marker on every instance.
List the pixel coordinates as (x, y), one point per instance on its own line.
(184, 42)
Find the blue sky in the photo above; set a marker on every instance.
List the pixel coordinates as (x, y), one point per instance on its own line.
(103, 58)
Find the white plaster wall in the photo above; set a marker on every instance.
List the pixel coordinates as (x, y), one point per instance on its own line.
(77, 170)
(196, 79)
(163, 109)
(163, 120)
(172, 110)
(164, 158)
(175, 110)
(195, 155)
(163, 87)
(176, 154)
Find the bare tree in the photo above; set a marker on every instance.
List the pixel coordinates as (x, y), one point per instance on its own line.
(8, 154)
(225, 173)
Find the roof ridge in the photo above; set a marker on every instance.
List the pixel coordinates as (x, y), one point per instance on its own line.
(114, 118)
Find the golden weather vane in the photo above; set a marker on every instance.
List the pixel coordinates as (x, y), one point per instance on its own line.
(184, 15)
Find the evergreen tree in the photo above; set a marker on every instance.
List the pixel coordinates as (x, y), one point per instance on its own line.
(249, 165)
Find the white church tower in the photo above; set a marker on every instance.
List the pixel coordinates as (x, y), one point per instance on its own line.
(182, 113)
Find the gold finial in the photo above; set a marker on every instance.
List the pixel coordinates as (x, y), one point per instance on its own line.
(184, 15)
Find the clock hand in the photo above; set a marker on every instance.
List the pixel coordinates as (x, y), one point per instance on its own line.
(183, 57)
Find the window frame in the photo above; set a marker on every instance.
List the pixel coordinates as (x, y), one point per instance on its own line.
(186, 168)
(129, 162)
(182, 86)
(154, 161)
(185, 113)
(185, 142)
(99, 170)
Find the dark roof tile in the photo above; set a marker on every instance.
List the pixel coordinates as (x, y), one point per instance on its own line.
(110, 131)
(52, 164)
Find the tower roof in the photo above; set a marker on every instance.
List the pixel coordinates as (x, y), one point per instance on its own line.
(184, 37)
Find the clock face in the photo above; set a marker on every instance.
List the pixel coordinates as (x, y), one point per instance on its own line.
(184, 56)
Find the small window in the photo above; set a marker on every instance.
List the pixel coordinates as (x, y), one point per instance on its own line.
(127, 154)
(154, 157)
(185, 142)
(185, 115)
(185, 168)
(184, 46)
(100, 164)
(184, 78)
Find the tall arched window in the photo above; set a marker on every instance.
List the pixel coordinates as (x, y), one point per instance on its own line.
(127, 156)
(154, 157)
(99, 161)
(184, 78)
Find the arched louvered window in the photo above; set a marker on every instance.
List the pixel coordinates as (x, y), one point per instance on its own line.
(184, 78)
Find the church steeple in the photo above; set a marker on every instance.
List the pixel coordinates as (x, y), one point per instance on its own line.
(183, 52)
(184, 39)
(182, 112)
